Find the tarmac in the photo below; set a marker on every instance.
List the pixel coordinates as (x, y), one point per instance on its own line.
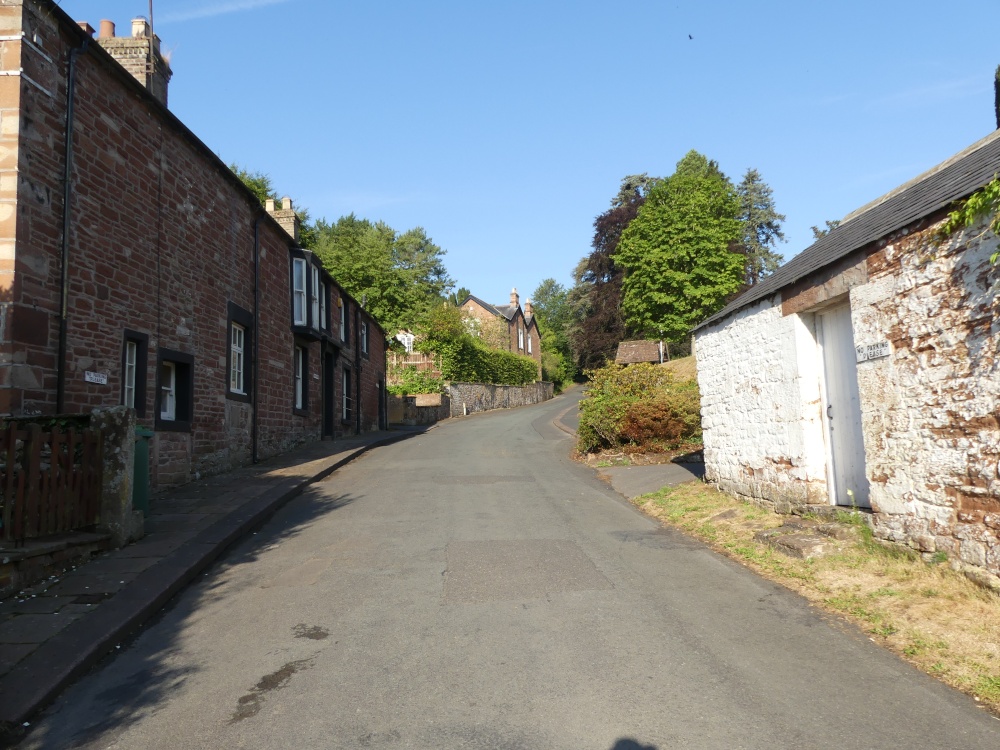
(56, 630)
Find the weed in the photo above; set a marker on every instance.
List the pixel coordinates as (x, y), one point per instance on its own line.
(938, 557)
(988, 687)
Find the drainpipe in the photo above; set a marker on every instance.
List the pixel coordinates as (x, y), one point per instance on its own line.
(255, 359)
(67, 196)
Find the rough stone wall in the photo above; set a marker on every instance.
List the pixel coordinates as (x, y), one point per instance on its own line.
(930, 413)
(468, 398)
(760, 408)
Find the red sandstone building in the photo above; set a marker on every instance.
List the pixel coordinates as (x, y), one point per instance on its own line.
(522, 335)
(136, 269)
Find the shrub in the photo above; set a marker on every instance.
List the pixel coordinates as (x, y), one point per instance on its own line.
(412, 380)
(642, 407)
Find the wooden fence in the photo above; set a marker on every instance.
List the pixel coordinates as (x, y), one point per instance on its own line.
(50, 482)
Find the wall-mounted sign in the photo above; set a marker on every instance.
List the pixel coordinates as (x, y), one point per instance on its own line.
(872, 351)
(96, 377)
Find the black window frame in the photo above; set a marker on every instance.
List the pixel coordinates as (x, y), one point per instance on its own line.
(244, 318)
(141, 340)
(184, 390)
(346, 396)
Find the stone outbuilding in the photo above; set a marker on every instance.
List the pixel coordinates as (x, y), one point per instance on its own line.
(636, 352)
(864, 373)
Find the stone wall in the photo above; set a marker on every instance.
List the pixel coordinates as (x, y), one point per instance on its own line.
(423, 408)
(468, 398)
(929, 415)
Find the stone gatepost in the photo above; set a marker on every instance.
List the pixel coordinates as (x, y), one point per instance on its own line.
(118, 518)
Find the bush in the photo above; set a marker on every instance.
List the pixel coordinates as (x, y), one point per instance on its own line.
(641, 408)
(412, 380)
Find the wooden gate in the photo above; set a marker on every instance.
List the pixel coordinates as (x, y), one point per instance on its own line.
(50, 481)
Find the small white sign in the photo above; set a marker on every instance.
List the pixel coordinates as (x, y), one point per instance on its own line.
(96, 377)
(872, 351)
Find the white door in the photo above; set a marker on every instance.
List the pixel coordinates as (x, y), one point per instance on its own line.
(842, 409)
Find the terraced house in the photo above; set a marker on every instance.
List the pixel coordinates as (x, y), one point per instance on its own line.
(136, 269)
(864, 373)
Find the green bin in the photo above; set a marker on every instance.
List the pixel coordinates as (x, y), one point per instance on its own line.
(140, 474)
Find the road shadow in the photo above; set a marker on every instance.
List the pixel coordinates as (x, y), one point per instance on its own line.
(627, 743)
(141, 666)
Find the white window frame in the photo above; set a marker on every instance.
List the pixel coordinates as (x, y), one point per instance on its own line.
(364, 337)
(529, 343)
(343, 320)
(131, 361)
(300, 371)
(299, 292)
(314, 297)
(520, 337)
(237, 347)
(168, 391)
(345, 391)
(321, 323)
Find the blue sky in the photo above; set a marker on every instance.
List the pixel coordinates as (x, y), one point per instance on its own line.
(504, 128)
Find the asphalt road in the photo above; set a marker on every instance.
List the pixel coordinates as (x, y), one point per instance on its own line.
(474, 588)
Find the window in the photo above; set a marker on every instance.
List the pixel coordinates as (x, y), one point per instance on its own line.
(406, 338)
(175, 391)
(134, 350)
(239, 354)
(343, 318)
(168, 391)
(237, 337)
(299, 292)
(520, 337)
(364, 338)
(300, 379)
(529, 343)
(314, 298)
(346, 392)
(323, 324)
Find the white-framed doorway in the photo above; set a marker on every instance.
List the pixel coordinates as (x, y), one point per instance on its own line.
(847, 481)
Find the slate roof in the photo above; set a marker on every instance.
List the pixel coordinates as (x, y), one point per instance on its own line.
(487, 305)
(633, 352)
(936, 189)
(504, 311)
(508, 311)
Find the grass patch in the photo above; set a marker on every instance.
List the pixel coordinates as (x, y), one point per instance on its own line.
(925, 612)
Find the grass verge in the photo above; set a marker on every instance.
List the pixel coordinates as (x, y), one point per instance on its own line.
(927, 613)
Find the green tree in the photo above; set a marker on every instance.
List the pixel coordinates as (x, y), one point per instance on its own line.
(459, 296)
(830, 226)
(262, 187)
(678, 252)
(761, 227)
(399, 276)
(550, 301)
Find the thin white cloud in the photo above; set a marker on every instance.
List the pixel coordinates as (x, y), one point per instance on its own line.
(216, 9)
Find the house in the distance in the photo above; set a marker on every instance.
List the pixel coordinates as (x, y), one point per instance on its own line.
(518, 328)
(864, 372)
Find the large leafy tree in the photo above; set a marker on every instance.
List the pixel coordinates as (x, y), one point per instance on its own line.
(553, 313)
(400, 277)
(261, 185)
(678, 252)
(761, 227)
(594, 302)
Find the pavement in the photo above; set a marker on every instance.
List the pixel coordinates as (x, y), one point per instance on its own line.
(53, 632)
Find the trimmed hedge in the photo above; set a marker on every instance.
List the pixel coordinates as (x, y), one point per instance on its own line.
(467, 360)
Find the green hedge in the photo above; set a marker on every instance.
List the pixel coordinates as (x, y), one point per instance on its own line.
(641, 407)
(412, 380)
(467, 360)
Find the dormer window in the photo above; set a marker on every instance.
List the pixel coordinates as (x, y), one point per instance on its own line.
(310, 296)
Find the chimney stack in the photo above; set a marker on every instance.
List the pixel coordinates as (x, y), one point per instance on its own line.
(140, 55)
(515, 300)
(529, 309)
(285, 216)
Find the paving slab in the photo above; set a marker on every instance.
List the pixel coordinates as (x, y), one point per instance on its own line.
(634, 481)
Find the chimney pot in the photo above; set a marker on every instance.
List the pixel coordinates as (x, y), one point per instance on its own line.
(286, 203)
(514, 298)
(107, 29)
(529, 309)
(269, 205)
(87, 28)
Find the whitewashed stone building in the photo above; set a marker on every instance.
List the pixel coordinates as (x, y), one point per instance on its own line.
(865, 372)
